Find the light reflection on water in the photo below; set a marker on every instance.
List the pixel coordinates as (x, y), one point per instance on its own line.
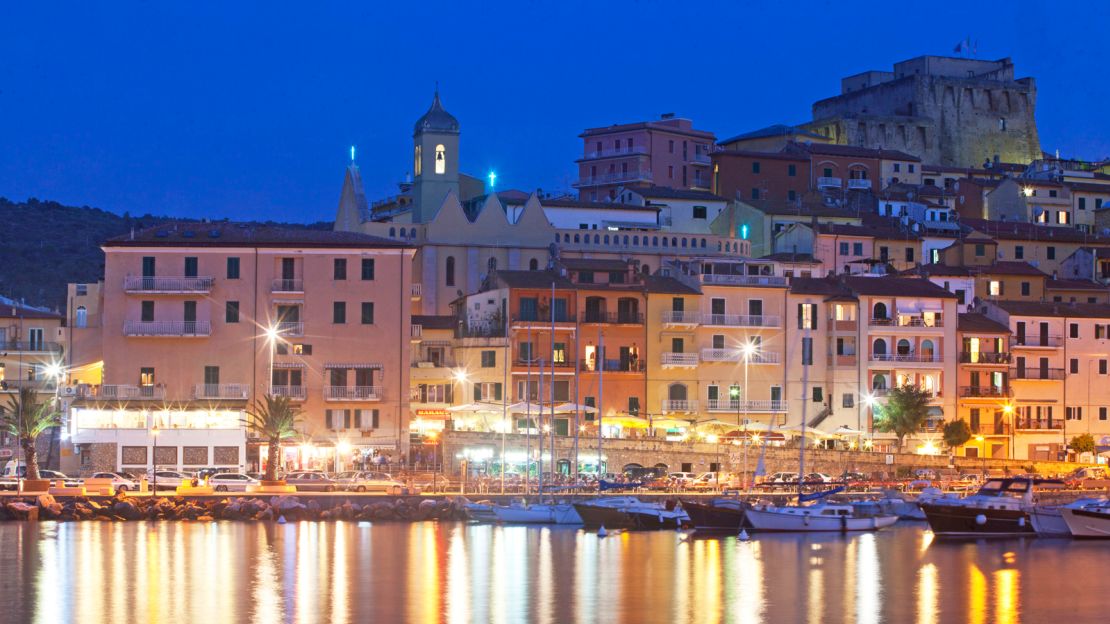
(427, 572)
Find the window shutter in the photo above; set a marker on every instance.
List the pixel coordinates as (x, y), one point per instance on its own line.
(800, 316)
(346, 419)
(477, 392)
(374, 419)
(327, 419)
(358, 419)
(497, 391)
(814, 316)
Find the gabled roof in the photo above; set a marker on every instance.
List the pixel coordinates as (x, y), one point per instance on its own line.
(980, 324)
(938, 270)
(1014, 230)
(531, 279)
(1010, 267)
(228, 234)
(893, 286)
(663, 192)
(1058, 310)
(662, 284)
(1073, 284)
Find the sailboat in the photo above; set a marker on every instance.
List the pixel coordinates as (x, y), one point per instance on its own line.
(822, 516)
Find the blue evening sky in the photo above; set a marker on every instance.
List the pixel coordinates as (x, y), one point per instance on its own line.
(247, 110)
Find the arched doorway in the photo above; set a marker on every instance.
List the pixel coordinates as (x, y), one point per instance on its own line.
(879, 347)
(879, 311)
(904, 347)
(928, 350)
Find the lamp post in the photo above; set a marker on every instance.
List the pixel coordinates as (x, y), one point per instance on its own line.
(154, 456)
(1008, 410)
(713, 439)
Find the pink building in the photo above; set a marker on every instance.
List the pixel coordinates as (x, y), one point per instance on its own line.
(668, 152)
(197, 321)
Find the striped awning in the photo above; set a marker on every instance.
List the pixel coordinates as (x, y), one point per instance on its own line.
(357, 365)
(288, 301)
(288, 364)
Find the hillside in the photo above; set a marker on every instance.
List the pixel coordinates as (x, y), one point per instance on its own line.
(45, 245)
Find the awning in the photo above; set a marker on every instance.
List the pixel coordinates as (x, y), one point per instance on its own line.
(288, 364)
(288, 301)
(570, 408)
(362, 365)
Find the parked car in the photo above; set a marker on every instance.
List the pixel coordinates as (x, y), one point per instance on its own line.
(170, 479)
(682, 479)
(925, 473)
(362, 481)
(818, 477)
(121, 482)
(56, 476)
(782, 478)
(231, 482)
(853, 477)
(311, 482)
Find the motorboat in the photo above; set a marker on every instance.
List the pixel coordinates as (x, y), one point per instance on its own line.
(719, 514)
(538, 513)
(1048, 520)
(819, 517)
(628, 512)
(481, 511)
(999, 509)
(1089, 521)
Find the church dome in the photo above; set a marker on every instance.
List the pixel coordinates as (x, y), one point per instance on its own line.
(436, 119)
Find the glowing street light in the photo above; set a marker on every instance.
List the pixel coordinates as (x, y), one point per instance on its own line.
(460, 375)
(492, 179)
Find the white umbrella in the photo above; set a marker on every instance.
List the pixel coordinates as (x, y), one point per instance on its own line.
(473, 408)
(524, 407)
(817, 433)
(848, 431)
(570, 408)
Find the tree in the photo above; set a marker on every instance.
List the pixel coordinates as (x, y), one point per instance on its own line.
(956, 433)
(26, 418)
(1084, 443)
(904, 413)
(273, 419)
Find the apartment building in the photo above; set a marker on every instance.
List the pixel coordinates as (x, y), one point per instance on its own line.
(199, 320)
(986, 397)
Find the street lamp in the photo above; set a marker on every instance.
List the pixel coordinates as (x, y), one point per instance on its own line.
(1008, 410)
(154, 430)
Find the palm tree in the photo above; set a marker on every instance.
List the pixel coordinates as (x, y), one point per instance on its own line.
(275, 419)
(26, 418)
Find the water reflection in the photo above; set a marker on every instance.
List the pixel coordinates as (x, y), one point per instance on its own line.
(354, 572)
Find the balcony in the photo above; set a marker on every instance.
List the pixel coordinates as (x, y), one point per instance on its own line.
(416, 332)
(167, 285)
(990, 429)
(167, 329)
(416, 291)
(238, 392)
(30, 346)
(843, 360)
(1035, 342)
(542, 318)
(613, 318)
(617, 366)
(38, 385)
(737, 356)
(671, 406)
(908, 322)
(1037, 374)
(986, 392)
(857, 185)
(736, 406)
(741, 320)
(287, 286)
(701, 159)
(919, 358)
(829, 182)
(843, 325)
(1033, 424)
(611, 153)
(290, 328)
(984, 357)
(635, 175)
(535, 364)
(352, 393)
(131, 393)
(679, 360)
(680, 317)
(743, 280)
(295, 393)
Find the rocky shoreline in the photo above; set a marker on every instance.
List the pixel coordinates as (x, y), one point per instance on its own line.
(275, 509)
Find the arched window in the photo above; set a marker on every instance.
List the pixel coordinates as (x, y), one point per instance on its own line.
(664, 241)
(654, 241)
(879, 347)
(703, 243)
(441, 159)
(904, 347)
(533, 264)
(635, 240)
(412, 232)
(606, 239)
(82, 319)
(392, 232)
(449, 271)
(676, 392)
(674, 242)
(878, 382)
(928, 350)
(491, 265)
(576, 238)
(879, 311)
(684, 243)
(645, 269)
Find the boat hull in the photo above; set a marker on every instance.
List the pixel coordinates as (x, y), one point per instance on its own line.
(524, 515)
(964, 521)
(648, 520)
(1087, 523)
(1049, 522)
(775, 520)
(608, 517)
(709, 518)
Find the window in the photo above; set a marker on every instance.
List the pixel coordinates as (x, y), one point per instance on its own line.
(533, 265)
(857, 249)
(911, 166)
(1073, 329)
(670, 146)
(791, 195)
(699, 212)
(980, 250)
(1074, 366)
(897, 167)
(633, 405)
(1102, 413)
(585, 277)
(1019, 252)
(449, 271)
(1098, 203)
(1062, 217)
(147, 312)
(367, 312)
(146, 377)
(339, 312)
(755, 193)
(1083, 206)
(489, 359)
(849, 400)
(1051, 251)
(844, 249)
(961, 296)
(792, 170)
(488, 391)
(491, 265)
(807, 351)
(81, 289)
(233, 268)
(807, 316)
(1102, 367)
(339, 269)
(755, 167)
(1052, 193)
(909, 254)
(81, 320)
(441, 159)
(1025, 289)
(828, 172)
(818, 394)
(367, 269)
(231, 312)
(995, 288)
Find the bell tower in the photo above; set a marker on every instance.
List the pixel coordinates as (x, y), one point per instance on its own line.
(435, 160)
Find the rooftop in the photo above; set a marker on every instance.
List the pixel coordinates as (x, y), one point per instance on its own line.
(1058, 310)
(434, 321)
(980, 323)
(1073, 284)
(1013, 230)
(774, 130)
(663, 192)
(229, 234)
(594, 264)
(829, 149)
(436, 119)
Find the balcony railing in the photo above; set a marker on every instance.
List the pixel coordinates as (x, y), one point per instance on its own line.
(990, 429)
(1039, 424)
(680, 359)
(352, 393)
(617, 366)
(743, 280)
(124, 392)
(30, 346)
(985, 392)
(609, 153)
(859, 185)
(701, 159)
(542, 317)
(679, 405)
(547, 364)
(681, 317)
(416, 291)
(290, 328)
(287, 285)
(984, 357)
(1037, 374)
(738, 406)
(167, 328)
(737, 355)
(741, 320)
(296, 393)
(846, 359)
(829, 182)
(908, 321)
(176, 284)
(221, 391)
(905, 357)
(1035, 341)
(614, 178)
(613, 318)
(843, 325)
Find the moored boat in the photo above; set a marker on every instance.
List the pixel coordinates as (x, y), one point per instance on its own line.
(999, 509)
(539, 513)
(1090, 521)
(820, 517)
(629, 513)
(722, 514)
(1048, 520)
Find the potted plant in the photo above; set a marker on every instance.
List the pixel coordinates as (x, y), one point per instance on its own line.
(26, 418)
(273, 419)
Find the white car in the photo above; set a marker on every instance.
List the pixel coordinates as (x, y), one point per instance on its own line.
(355, 481)
(818, 477)
(170, 479)
(120, 482)
(231, 482)
(682, 478)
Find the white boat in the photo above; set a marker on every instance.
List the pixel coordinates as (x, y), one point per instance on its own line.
(1088, 521)
(539, 513)
(822, 516)
(1048, 520)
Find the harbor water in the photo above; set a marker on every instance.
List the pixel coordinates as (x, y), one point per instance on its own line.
(109, 572)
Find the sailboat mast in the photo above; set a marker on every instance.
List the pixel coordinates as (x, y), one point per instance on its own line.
(805, 402)
(528, 416)
(600, 358)
(539, 434)
(552, 390)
